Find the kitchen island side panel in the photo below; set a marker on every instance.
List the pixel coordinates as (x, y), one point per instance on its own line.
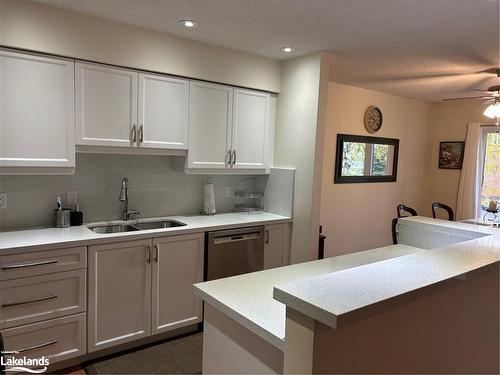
(453, 329)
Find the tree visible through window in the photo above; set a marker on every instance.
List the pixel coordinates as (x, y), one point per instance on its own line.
(491, 174)
(367, 159)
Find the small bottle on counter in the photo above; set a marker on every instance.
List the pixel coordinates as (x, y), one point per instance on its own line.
(76, 217)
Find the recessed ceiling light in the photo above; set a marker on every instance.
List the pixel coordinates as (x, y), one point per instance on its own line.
(287, 49)
(188, 23)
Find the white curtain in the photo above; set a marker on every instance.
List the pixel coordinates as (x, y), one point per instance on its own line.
(471, 178)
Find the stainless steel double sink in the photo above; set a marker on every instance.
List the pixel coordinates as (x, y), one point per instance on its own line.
(132, 227)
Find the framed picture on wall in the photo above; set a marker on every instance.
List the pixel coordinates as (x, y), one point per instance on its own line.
(451, 155)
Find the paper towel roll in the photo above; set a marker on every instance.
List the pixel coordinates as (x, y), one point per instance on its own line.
(209, 201)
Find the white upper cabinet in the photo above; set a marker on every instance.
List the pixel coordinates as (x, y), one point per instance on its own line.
(163, 112)
(106, 106)
(230, 128)
(210, 121)
(250, 122)
(36, 113)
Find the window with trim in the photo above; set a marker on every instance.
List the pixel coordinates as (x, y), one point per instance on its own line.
(491, 173)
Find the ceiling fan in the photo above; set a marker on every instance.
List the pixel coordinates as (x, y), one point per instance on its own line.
(491, 94)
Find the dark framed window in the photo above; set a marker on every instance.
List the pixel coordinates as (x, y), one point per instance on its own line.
(362, 159)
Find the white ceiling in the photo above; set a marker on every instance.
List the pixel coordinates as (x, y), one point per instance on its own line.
(427, 49)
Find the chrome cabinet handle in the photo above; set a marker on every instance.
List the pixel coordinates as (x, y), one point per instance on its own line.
(37, 346)
(133, 133)
(156, 254)
(141, 134)
(14, 266)
(267, 237)
(229, 158)
(30, 301)
(149, 254)
(234, 157)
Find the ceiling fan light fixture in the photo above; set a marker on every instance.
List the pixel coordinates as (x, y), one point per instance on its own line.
(493, 110)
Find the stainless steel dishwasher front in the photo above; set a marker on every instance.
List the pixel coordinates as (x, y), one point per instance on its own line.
(234, 252)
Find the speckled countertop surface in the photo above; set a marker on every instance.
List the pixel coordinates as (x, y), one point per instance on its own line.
(340, 297)
(248, 299)
(81, 235)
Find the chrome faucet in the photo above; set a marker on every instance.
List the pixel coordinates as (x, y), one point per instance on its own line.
(127, 213)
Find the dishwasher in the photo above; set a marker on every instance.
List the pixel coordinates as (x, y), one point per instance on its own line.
(234, 252)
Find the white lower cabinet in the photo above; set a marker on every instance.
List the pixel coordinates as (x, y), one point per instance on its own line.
(277, 245)
(139, 288)
(58, 339)
(36, 298)
(43, 298)
(119, 293)
(177, 265)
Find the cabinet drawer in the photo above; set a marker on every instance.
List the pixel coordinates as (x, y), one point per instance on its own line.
(32, 299)
(57, 339)
(40, 262)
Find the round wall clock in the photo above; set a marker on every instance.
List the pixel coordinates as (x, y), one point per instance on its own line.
(373, 119)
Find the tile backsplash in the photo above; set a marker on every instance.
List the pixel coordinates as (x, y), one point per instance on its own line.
(157, 188)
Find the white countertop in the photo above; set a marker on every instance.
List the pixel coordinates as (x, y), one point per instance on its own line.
(81, 235)
(248, 299)
(340, 297)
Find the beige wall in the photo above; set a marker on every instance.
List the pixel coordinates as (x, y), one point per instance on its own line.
(449, 123)
(29, 25)
(358, 216)
(296, 123)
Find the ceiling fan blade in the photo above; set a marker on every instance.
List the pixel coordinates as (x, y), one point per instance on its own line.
(495, 71)
(470, 98)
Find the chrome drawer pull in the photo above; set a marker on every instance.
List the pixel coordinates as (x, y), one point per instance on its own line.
(14, 266)
(37, 346)
(133, 134)
(30, 301)
(141, 134)
(156, 254)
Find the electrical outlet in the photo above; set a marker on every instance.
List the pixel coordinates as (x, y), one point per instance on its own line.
(228, 191)
(71, 198)
(3, 200)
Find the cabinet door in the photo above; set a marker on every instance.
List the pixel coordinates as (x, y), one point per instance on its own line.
(177, 265)
(210, 118)
(163, 112)
(250, 122)
(36, 111)
(277, 245)
(106, 105)
(119, 293)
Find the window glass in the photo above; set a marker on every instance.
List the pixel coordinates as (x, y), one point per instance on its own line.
(491, 174)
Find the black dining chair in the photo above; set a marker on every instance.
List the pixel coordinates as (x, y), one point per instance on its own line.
(402, 211)
(394, 225)
(448, 209)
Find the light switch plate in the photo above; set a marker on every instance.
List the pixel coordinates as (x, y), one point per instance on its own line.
(71, 198)
(3, 200)
(228, 191)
